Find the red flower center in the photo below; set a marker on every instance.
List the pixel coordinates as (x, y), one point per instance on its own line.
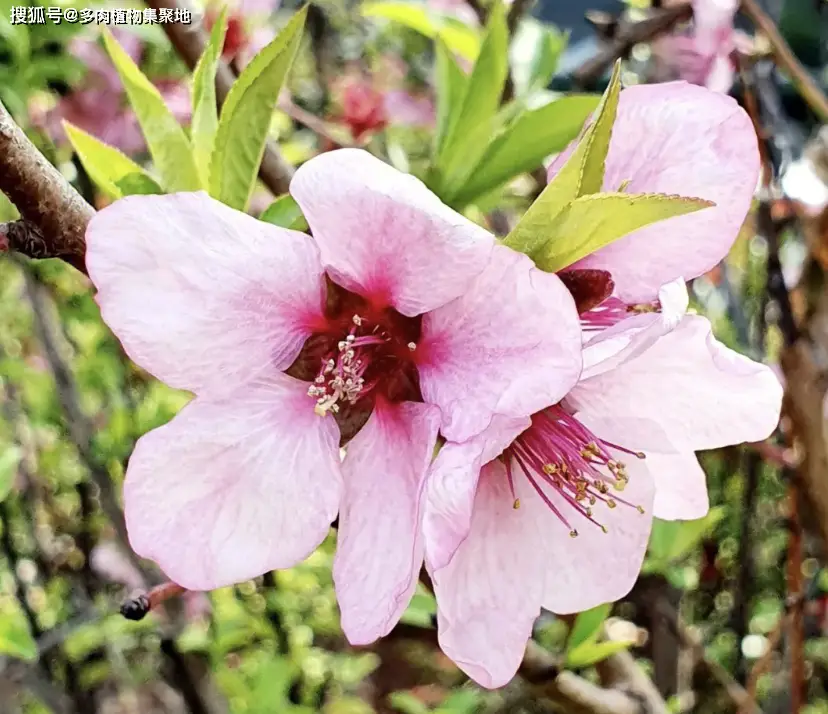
(362, 352)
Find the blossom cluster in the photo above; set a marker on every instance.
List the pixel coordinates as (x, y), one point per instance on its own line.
(511, 430)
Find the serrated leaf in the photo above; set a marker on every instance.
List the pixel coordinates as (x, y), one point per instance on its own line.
(467, 136)
(15, 637)
(9, 461)
(245, 117)
(138, 184)
(671, 541)
(285, 212)
(591, 653)
(106, 166)
(581, 175)
(205, 112)
(167, 142)
(457, 36)
(451, 86)
(591, 222)
(587, 626)
(526, 142)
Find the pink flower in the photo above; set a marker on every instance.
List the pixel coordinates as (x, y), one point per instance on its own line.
(554, 510)
(705, 56)
(398, 318)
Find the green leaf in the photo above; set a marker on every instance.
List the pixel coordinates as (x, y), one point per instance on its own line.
(106, 166)
(591, 653)
(15, 638)
(457, 36)
(138, 184)
(205, 114)
(245, 117)
(285, 212)
(9, 461)
(467, 136)
(526, 142)
(534, 54)
(587, 626)
(591, 222)
(671, 541)
(451, 85)
(582, 174)
(167, 142)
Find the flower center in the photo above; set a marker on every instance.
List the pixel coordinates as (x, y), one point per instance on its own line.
(360, 352)
(560, 454)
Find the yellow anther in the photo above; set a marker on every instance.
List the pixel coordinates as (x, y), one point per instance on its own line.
(573, 534)
(516, 504)
(604, 529)
(611, 503)
(639, 509)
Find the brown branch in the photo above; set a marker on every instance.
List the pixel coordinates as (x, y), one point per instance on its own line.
(627, 37)
(55, 216)
(189, 41)
(786, 59)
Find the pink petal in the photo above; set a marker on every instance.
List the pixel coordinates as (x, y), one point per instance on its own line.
(597, 567)
(200, 295)
(511, 345)
(680, 485)
(232, 488)
(630, 337)
(384, 235)
(490, 593)
(702, 394)
(681, 139)
(452, 483)
(380, 549)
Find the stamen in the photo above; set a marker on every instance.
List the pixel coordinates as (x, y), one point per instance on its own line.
(560, 454)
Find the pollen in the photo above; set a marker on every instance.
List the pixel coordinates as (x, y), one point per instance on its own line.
(412, 346)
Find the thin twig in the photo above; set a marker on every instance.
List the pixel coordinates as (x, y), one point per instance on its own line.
(54, 214)
(627, 37)
(189, 41)
(786, 59)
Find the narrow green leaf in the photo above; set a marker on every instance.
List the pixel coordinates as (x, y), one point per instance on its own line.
(245, 117)
(15, 638)
(285, 212)
(451, 85)
(582, 174)
(106, 166)
(534, 54)
(594, 221)
(468, 136)
(9, 461)
(167, 142)
(526, 142)
(587, 626)
(591, 653)
(205, 113)
(457, 36)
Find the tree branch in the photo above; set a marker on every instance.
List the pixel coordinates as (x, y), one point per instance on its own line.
(189, 41)
(55, 216)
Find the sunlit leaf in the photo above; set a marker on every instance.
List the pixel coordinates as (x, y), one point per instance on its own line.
(534, 54)
(591, 653)
(245, 117)
(581, 175)
(457, 36)
(106, 166)
(205, 113)
(587, 626)
(451, 85)
(670, 541)
(15, 638)
(138, 184)
(591, 222)
(167, 142)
